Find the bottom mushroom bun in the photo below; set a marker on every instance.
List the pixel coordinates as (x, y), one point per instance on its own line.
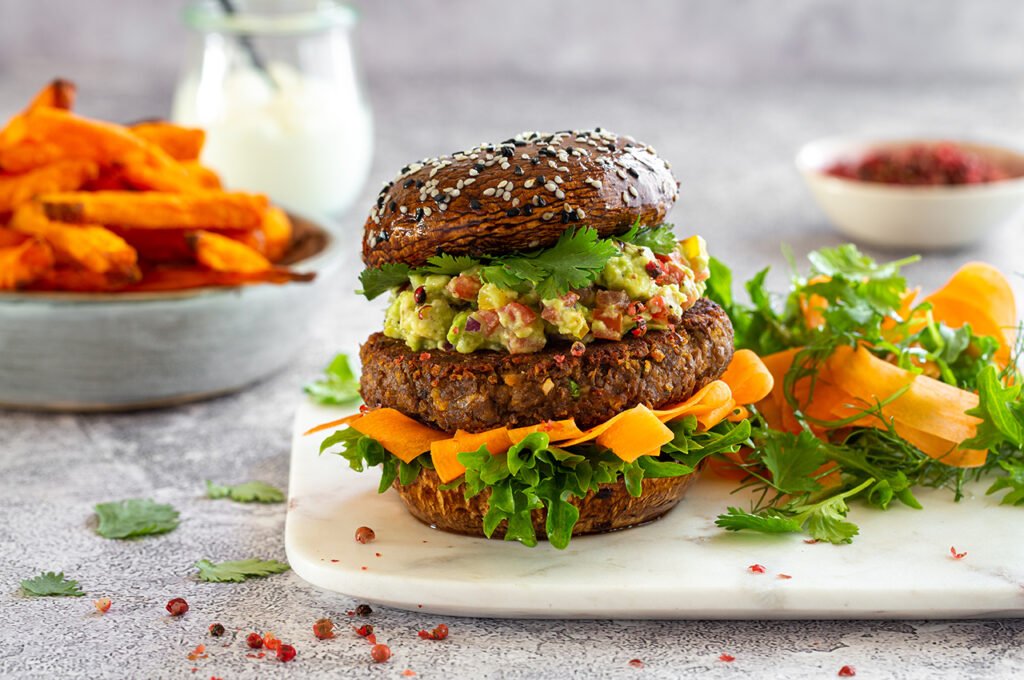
(548, 365)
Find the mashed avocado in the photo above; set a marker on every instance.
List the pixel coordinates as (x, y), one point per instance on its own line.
(636, 291)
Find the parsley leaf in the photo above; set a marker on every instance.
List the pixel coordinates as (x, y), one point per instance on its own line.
(1001, 411)
(767, 521)
(49, 584)
(793, 460)
(338, 386)
(134, 518)
(248, 492)
(381, 279)
(239, 570)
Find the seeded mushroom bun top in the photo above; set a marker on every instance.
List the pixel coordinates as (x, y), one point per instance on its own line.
(517, 195)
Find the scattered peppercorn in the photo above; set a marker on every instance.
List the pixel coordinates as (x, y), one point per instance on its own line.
(323, 629)
(177, 606)
(847, 672)
(363, 610)
(439, 633)
(216, 630)
(636, 663)
(420, 295)
(727, 658)
(365, 535)
(102, 605)
(577, 349)
(957, 555)
(285, 652)
(254, 640)
(380, 653)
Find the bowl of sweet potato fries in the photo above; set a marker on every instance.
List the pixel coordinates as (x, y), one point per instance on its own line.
(129, 277)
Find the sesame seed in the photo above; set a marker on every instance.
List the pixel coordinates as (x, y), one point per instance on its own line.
(582, 215)
(551, 186)
(433, 171)
(442, 206)
(427, 210)
(473, 172)
(547, 216)
(633, 173)
(489, 192)
(625, 197)
(403, 210)
(505, 165)
(515, 202)
(562, 169)
(456, 192)
(650, 150)
(528, 184)
(553, 164)
(469, 181)
(558, 180)
(507, 196)
(632, 190)
(621, 173)
(560, 194)
(502, 183)
(668, 166)
(518, 171)
(419, 214)
(512, 212)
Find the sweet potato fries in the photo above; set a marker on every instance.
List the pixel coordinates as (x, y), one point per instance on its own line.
(91, 206)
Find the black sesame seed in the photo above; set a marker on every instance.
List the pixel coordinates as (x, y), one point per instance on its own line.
(597, 129)
(512, 212)
(404, 170)
(573, 216)
(518, 171)
(633, 173)
(508, 151)
(419, 184)
(393, 206)
(535, 161)
(519, 142)
(527, 210)
(479, 167)
(541, 180)
(408, 183)
(384, 236)
(419, 214)
(541, 202)
(380, 200)
(565, 217)
(474, 204)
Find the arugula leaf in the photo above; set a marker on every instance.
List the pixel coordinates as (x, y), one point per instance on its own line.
(238, 570)
(50, 584)
(1013, 480)
(381, 279)
(339, 385)
(1001, 411)
(134, 518)
(659, 239)
(248, 492)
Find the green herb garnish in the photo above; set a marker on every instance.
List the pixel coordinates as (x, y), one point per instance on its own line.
(50, 584)
(248, 492)
(339, 385)
(135, 518)
(239, 570)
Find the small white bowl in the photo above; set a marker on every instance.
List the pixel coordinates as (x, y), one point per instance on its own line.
(124, 351)
(919, 217)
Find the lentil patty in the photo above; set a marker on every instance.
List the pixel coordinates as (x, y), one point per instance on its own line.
(484, 390)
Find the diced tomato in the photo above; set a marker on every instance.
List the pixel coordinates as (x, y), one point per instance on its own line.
(672, 273)
(656, 306)
(514, 315)
(464, 286)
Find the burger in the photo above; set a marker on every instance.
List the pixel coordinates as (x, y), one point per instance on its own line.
(548, 365)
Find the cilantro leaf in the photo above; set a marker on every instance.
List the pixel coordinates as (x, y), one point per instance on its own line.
(793, 460)
(767, 521)
(238, 570)
(379, 280)
(573, 262)
(50, 584)
(449, 265)
(659, 239)
(134, 518)
(847, 261)
(248, 492)
(338, 386)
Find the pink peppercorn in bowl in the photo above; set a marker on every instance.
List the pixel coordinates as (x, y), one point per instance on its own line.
(925, 194)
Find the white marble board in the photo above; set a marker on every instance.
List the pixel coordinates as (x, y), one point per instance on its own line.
(681, 566)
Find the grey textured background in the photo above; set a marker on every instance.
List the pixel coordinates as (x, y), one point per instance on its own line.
(725, 90)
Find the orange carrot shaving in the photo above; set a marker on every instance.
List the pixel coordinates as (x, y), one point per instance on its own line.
(638, 432)
(444, 453)
(748, 378)
(978, 294)
(397, 433)
(333, 423)
(557, 430)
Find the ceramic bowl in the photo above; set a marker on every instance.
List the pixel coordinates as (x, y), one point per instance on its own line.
(918, 217)
(97, 351)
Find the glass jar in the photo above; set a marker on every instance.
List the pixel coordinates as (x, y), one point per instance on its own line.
(277, 89)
